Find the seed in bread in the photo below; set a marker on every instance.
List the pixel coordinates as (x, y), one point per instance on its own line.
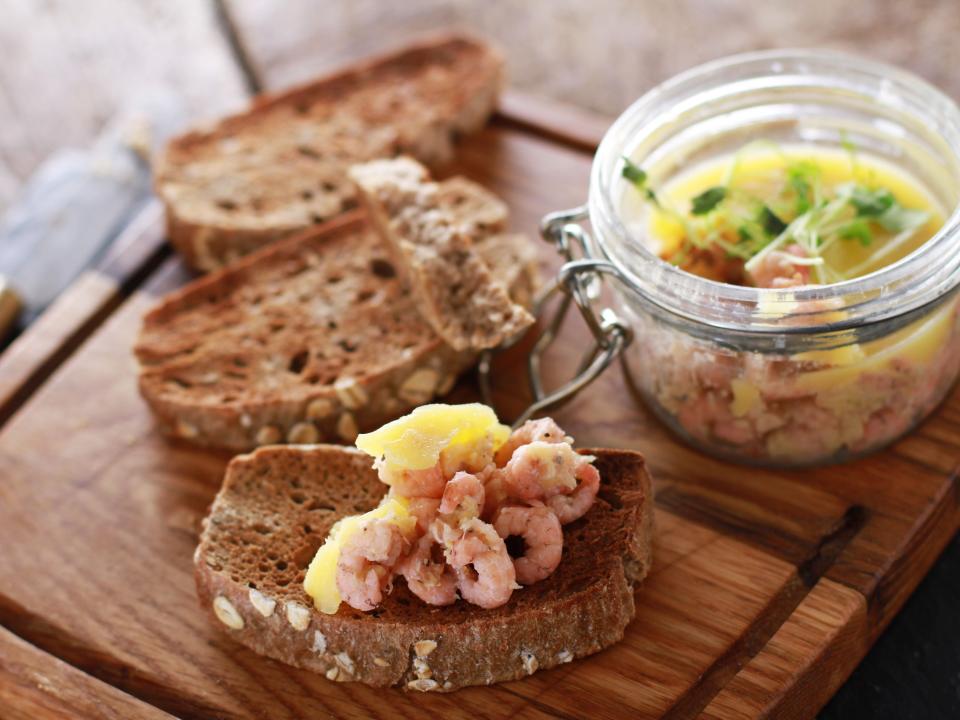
(281, 166)
(287, 498)
(454, 289)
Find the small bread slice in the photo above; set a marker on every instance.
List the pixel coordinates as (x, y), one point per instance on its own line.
(311, 339)
(281, 166)
(465, 303)
(275, 509)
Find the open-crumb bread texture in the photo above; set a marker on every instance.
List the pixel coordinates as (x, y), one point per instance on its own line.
(454, 289)
(275, 509)
(281, 166)
(314, 338)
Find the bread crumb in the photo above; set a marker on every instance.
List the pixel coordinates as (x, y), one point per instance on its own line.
(564, 656)
(246, 421)
(227, 613)
(350, 393)
(422, 648)
(332, 673)
(319, 642)
(263, 604)
(530, 663)
(447, 685)
(380, 662)
(297, 615)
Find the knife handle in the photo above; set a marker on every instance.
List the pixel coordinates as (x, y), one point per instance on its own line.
(10, 306)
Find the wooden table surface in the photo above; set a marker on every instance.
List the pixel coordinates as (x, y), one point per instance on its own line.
(67, 68)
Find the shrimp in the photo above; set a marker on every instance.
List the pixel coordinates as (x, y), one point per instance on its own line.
(542, 539)
(427, 575)
(364, 569)
(777, 269)
(540, 470)
(574, 505)
(462, 495)
(494, 493)
(428, 483)
(485, 572)
(424, 510)
(543, 430)
(463, 499)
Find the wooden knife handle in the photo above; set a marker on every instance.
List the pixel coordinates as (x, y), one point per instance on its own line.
(10, 306)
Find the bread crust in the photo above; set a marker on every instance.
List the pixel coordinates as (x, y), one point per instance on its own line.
(580, 609)
(280, 166)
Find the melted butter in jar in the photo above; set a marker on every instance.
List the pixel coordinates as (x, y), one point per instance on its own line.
(782, 216)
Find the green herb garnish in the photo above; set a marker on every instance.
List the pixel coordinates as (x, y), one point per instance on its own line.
(871, 203)
(802, 218)
(803, 178)
(772, 225)
(708, 200)
(858, 229)
(634, 173)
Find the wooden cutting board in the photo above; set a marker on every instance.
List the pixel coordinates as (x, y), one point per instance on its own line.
(767, 587)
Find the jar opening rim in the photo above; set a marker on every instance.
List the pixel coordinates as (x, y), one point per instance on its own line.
(921, 277)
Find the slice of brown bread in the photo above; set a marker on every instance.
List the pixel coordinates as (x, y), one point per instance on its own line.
(276, 507)
(281, 166)
(313, 338)
(455, 291)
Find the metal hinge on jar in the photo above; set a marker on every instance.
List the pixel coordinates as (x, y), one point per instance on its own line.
(578, 280)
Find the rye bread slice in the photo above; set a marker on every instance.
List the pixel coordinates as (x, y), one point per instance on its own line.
(314, 338)
(276, 507)
(281, 166)
(455, 291)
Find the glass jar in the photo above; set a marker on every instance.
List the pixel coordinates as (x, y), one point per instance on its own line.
(784, 376)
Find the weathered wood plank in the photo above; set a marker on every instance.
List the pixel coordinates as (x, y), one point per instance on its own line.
(601, 55)
(69, 67)
(79, 310)
(120, 492)
(38, 686)
(792, 671)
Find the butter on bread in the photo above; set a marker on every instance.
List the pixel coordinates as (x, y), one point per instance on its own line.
(285, 499)
(467, 305)
(280, 167)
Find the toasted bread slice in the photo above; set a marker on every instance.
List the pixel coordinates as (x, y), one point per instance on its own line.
(313, 338)
(276, 507)
(281, 166)
(453, 287)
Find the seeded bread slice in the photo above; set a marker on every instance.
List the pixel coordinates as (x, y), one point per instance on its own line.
(454, 289)
(313, 338)
(281, 166)
(276, 507)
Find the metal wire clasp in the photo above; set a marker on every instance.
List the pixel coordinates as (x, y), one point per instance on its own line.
(579, 282)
